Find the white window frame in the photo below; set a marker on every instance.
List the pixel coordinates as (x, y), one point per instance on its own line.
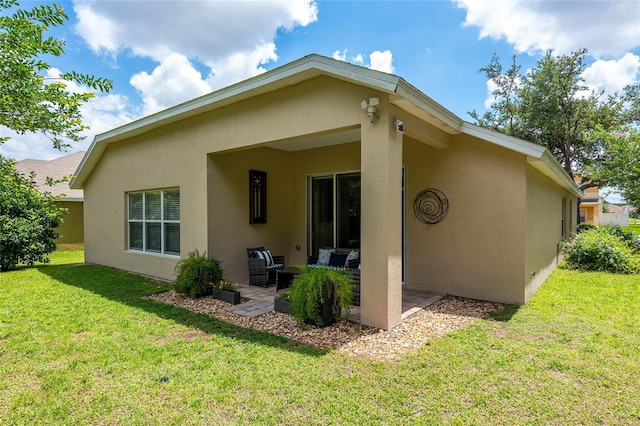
(144, 221)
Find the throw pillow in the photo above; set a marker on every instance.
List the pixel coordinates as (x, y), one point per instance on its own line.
(266, 256)
(323, 256)
(337, 259)
(353, 255)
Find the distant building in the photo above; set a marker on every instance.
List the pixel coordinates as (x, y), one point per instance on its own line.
(72, 227)
(591, 206)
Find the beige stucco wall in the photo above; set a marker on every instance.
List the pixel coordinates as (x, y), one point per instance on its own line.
(544, 229)
(477, 251)
(72, 227)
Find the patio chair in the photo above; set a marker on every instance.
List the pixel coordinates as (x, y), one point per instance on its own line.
(263, 266)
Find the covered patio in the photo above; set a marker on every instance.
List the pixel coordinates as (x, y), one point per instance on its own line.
(261, 302)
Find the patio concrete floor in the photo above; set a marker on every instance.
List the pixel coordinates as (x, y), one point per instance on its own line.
(261, 302)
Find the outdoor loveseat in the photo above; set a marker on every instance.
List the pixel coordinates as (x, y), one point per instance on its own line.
(345, 259)
(263, 266)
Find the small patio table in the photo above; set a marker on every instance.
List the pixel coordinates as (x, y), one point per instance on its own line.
(284, 277)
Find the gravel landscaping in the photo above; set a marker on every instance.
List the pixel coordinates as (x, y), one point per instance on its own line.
(446, 315)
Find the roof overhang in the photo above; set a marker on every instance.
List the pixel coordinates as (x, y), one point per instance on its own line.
(401, 94)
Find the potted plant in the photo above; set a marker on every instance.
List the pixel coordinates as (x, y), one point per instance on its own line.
(227, 291)
(282, 302)
(319, 295)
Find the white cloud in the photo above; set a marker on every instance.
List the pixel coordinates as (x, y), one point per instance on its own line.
(340, 56)
(382, 61)
(203, 30)
(614, 75)
(603, 27)
(231, 40)
(174, 81)
(227, 70)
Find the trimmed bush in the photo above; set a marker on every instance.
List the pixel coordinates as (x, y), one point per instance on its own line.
(600, 249)
(198, 275)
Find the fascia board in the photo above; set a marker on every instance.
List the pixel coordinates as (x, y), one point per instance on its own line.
(413, 95)
(505, 141)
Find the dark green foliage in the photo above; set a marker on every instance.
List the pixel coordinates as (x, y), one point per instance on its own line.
(585, 227)
(197, 275)
(551, 105)
(27, 219)
(619, 162)
(284, 295)
(603, 248)
(320, 294)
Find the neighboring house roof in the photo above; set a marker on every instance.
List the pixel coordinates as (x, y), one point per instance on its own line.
(591, 201)
(55, 169)
(402, 95)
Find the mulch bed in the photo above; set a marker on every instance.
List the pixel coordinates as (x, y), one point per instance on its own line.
(446, 315)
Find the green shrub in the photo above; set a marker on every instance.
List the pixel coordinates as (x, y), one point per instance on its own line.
(319, 295)
(585, 227)
(28, 218)
(198, 275)
(627, 237)
(600, 249)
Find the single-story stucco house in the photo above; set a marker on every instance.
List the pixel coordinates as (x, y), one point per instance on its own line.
(72, 226)
(339, 155)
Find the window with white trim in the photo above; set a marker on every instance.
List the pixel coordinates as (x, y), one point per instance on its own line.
(154, 221)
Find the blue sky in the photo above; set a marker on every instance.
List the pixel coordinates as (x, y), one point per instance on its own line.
(161, 53)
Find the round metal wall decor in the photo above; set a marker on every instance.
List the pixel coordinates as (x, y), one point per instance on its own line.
(431, 206)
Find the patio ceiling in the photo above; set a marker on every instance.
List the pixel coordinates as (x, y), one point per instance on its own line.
(318, 140)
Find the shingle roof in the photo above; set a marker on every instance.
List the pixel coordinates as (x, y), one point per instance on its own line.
(55, 169)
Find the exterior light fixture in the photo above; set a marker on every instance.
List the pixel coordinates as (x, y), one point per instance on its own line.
(370, 107)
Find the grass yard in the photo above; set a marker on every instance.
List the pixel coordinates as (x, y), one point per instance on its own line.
(633, 227)
(78, 346)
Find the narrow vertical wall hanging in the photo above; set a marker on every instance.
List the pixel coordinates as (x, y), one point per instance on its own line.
(257, 196)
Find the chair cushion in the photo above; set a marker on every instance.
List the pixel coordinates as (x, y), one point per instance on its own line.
(266, 256)
(275, 266)
(337, 259)
(324, 256)
(353, 255)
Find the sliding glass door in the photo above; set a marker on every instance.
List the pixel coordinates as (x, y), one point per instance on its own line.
(334, 206)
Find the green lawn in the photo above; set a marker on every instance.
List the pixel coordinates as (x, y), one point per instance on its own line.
(633, 227)
(78, 346)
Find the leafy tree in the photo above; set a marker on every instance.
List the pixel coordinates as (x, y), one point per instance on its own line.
(551, 105)
(27, 219)
(31, 101)
(619, 162)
